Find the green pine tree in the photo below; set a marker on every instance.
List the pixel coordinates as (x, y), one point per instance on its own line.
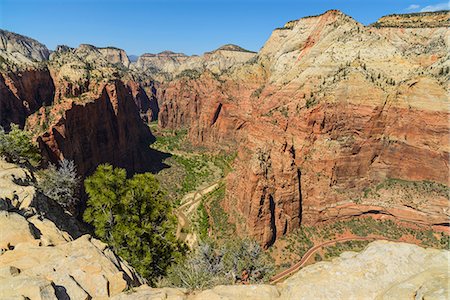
(133, 217)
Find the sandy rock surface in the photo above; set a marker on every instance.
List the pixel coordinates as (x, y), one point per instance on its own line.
(384, 270)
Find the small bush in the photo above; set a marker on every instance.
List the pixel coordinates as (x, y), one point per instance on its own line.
(209, 266)
(16, 147)
(60, 184)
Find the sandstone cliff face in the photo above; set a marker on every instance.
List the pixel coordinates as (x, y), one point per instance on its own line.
(83, 104)
(115, 55)
(25, 83)
(329, 108)
(168, 65)
(19, 48)
(87, 68)
(23, 93)
(100, 130)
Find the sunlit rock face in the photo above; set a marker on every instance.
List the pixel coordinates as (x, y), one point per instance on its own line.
(327, 109)
(384, 270)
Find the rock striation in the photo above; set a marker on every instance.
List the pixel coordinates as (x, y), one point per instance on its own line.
(327, 111)
(168, 65)
(415, 20)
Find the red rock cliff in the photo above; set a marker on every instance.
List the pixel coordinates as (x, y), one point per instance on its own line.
(328, 111)
(22, 93)
(104, 130)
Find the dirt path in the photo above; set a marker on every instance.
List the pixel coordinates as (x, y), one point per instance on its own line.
(190, 203)
(280, 276)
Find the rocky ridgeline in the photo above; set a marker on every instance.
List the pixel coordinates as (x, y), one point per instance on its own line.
(415, 20)
(20, 49)
(327, 109)
(168, 65)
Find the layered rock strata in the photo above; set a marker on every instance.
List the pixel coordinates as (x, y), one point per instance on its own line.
(326, 113)
(83, 104)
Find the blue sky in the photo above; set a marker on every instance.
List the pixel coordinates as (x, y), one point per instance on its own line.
(189, 26)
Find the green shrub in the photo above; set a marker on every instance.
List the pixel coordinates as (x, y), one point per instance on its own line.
(202, 221)
(133, 217)
(16, 147)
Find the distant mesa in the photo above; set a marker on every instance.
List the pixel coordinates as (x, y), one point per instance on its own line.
(231, 47)
(165, 53)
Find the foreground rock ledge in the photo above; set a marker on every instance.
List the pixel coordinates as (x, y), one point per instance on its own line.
(384, 270)
(38, 260)
(41, 260)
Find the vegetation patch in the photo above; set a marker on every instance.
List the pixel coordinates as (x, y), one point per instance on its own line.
(202, 221)
(133, 218)
(221, 227)
(189, 169)
(16, 146)
(340, 247)
(296, 244)
(211, 264)
(425, 187)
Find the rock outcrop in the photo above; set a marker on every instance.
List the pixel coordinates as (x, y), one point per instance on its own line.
(105, 129)
(168, 65)
(327, 110)
(21, 49)
(415, 20)
(83, 104)
(42, 259)
(384, 270)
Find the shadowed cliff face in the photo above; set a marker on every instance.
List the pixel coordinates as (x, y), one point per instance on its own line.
(23, 93)
(325, 114)
(82, 105)
(104, 130)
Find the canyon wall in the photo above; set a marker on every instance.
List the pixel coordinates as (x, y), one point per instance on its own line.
(106, 129)
(23, 93)
(82, 104)
(330, 119)
(326, 112)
